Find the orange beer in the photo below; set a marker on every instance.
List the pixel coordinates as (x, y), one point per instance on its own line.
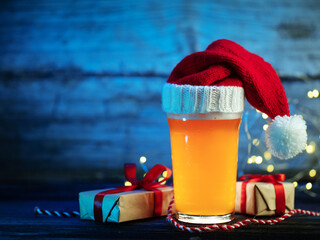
(204, 161)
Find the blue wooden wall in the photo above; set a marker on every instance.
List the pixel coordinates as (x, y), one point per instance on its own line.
(80, 81)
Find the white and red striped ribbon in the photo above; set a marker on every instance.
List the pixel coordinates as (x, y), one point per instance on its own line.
(39, 211)
(229, 227)
(206, 228)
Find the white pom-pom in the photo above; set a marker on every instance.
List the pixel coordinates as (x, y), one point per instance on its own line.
(286, 136)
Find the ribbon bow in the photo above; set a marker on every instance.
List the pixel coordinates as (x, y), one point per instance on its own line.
(275, 179)
(147, 183)
(270, 178)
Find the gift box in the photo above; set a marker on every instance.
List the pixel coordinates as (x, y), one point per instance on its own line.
(125, 206)
(143, 199)
(264, 195)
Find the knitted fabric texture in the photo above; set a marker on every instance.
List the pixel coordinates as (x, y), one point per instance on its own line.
(202, 99)
(226, 63)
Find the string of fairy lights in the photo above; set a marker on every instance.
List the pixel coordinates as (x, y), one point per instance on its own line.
(263, 158)
(264, 161)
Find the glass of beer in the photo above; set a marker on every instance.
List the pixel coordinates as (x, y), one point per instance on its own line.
(204, 150)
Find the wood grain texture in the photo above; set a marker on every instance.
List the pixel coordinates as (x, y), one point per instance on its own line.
(152, 36)
(58, 127)
(80, 81)
(17, 219)
(53, 124)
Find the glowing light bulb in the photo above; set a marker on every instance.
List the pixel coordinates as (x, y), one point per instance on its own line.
(264, 116)
(312, 173)
(267, 155)
(249, 161)
(257, 111)
(270, 168)
(127, 183)
(310, 94)
(295, 184)
(143, 159)
(315, 93)
(160, 179)
(265, 127)
(259, 160)
(256, 142)
(165, 174)
(311, 147)
(308, 185)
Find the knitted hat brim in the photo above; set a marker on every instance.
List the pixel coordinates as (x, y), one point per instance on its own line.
(187, 99)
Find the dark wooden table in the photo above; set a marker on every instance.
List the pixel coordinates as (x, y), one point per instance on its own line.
(18, 221)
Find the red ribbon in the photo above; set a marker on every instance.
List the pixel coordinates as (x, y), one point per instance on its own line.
(275, 179)
(147, 183)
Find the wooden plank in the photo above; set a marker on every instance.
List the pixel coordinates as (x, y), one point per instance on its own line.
(55, 126)
(148, 37)
(17, 220)
(50, 125)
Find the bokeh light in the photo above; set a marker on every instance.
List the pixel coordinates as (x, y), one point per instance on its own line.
(267, 155)
(312, 173)
(311, 147)
(308, 185)
(270, 168)
(259, 160)
(256, 142)
(265, 127)
(310, 94)
(143, 159)
(165, 174)
(127, 183)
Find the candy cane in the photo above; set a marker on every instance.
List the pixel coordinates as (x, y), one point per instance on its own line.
(229, 227)
(39, 211)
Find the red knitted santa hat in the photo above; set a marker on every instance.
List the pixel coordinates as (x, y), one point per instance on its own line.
(216, 80)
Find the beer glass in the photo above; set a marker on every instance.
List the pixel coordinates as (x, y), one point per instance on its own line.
(204, 160)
